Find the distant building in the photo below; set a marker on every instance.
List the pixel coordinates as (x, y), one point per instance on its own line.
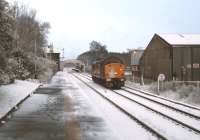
(71, 63)
(53, 55)
(135, 62)
(177, 56)
(125, 57)
(88, 57)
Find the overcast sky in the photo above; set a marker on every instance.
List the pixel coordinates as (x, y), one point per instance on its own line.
(119, 24)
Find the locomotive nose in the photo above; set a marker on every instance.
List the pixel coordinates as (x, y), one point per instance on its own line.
(112, 73)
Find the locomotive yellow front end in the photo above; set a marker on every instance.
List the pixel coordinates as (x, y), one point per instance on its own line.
(114, 75)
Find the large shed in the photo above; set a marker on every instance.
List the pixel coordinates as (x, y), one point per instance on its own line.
(176, 55)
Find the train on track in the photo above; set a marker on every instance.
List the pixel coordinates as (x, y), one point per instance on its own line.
(109, 72)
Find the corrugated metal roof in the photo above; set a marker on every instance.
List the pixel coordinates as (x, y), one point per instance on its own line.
(136, 57)
(181, 39)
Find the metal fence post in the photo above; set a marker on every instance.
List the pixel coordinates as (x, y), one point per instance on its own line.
(158, 86)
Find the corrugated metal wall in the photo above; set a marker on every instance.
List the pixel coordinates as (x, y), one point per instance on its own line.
(186, 61)
(182, 63)
(196, 61)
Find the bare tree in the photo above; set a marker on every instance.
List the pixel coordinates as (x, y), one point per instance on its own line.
(98, 47)
(97, 50)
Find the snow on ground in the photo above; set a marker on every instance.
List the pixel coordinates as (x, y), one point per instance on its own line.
(121, 125)
(115, 122)
(183, 93)
(12, 94)
(167, 127)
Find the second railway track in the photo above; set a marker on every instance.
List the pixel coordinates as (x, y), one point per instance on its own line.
(188, 110)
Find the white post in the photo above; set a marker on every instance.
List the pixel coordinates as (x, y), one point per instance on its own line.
(142, 80)
(161, 78)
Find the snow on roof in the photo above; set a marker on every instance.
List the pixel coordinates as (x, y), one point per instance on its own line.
(181, 39)
(51, 50)
(136, 57)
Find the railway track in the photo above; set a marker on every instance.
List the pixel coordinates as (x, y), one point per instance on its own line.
(144, 125)
(186, 120)
(192, 124)
(186, 109)
(162, 98)
(189, 112)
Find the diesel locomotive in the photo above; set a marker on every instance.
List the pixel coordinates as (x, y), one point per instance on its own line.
(109, 72)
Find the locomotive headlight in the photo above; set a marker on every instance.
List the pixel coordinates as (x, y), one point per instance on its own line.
(108, 79)
(122, 79)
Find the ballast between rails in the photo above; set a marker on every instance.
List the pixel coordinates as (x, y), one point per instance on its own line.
(151, 130)
(158, 112)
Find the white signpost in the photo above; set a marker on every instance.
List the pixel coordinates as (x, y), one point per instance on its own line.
(161, 78)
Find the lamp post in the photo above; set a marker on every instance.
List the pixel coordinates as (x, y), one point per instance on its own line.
(133, 65)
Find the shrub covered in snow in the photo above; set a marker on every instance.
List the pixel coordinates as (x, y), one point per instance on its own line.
(19, 32)
(45, 69)
(181, 92)
(4, 77)
(186, 93)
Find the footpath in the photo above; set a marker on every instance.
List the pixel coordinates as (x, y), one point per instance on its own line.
(13, 94)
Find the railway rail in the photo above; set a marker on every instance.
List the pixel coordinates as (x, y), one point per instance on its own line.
(164, 99)
(148, 128)
(185, 119)
(186, 109)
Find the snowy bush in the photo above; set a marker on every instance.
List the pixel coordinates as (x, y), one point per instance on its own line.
(185, 93)
(194, 97)
(19, 32)
(179, 92)
(17, 68)
(45, 69)
(4, 78)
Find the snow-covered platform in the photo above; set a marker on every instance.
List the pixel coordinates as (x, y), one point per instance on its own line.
(13, 94)
(59, 110)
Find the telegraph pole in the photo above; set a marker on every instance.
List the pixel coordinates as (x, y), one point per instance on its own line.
(35, 67)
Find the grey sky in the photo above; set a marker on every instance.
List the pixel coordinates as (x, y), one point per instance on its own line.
(120, 24)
